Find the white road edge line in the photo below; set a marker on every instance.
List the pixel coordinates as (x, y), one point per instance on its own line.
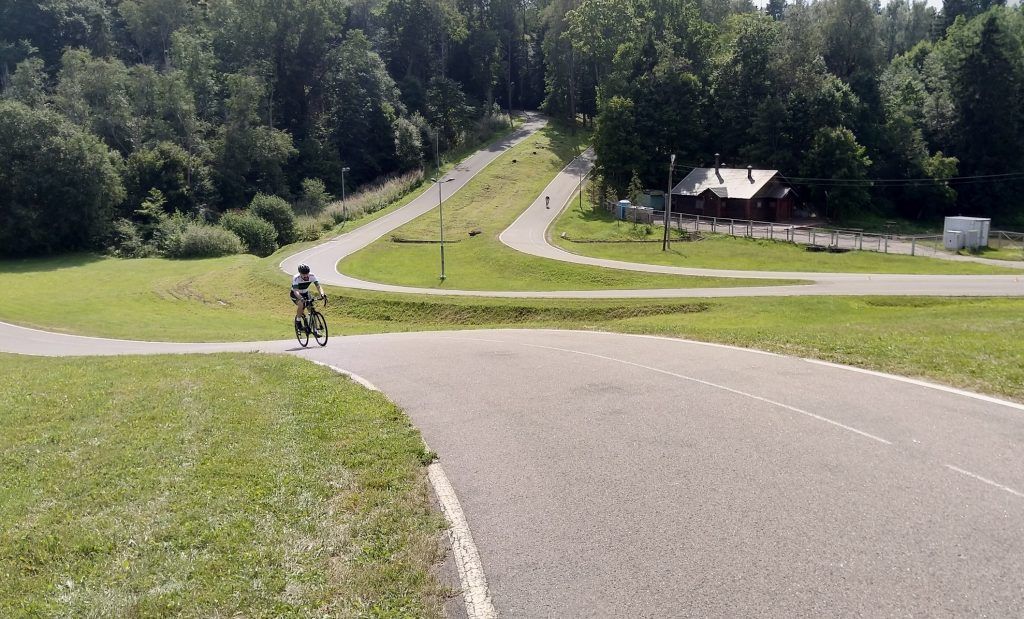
(699, 381)
(985, 480)
(467, 559)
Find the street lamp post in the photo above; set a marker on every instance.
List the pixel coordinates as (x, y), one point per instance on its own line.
(668, 202)
(440, 215)
(344, 211)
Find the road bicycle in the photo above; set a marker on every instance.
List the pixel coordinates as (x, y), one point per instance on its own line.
(313, 322)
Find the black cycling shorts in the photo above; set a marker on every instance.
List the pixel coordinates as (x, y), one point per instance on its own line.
(294, 294)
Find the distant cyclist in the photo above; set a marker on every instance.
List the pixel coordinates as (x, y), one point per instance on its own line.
(300, 291)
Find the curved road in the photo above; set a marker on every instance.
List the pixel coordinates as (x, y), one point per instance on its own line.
(615, 475)
(528, 234)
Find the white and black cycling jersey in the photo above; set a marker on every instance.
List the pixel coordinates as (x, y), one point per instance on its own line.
(301, 282)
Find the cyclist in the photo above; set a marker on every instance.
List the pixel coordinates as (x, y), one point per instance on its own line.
(300, 291)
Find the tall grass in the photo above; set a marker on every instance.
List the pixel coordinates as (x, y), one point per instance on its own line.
(368, 200)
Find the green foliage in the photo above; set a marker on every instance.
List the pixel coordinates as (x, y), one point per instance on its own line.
(279, 213)
(616, 141)
(249, 155)
(635, 191)
(314, 197)
(183, 180)
(836, 154)
(58, 185)
(258, 234)
(199, 240)
(28, 84)
(363, 105)
(447, 110)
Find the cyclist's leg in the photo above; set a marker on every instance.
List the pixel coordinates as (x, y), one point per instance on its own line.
(299, 305)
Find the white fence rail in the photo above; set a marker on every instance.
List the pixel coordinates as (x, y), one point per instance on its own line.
(828, 239)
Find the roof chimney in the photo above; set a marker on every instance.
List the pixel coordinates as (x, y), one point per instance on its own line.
(750, 173)
(717, 160)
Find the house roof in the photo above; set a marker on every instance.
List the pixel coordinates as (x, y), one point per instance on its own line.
(724, 182)
(776, 191)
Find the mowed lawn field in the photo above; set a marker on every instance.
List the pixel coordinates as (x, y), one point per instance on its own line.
(209, 486)
(596, 233)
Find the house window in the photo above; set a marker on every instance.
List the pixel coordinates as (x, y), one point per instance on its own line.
(700, 204)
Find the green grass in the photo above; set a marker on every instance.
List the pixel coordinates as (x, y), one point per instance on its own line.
(718, 251)
(147, 299)
(970, 343)
(209, 486)
(490, 203)
(1013, 254)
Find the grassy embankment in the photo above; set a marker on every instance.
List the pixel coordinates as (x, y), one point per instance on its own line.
(208, 485)
(719, 251)
(489, 204)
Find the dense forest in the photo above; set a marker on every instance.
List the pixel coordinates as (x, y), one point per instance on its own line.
(126, 123)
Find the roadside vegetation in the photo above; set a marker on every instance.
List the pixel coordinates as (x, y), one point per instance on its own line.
(597, 233)
(208, 485)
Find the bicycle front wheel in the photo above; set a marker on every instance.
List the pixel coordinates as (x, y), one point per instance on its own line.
(319, 328)
(301, 335)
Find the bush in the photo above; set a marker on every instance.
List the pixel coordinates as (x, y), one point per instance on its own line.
(199, 240)
(309, 230)
(126, 241)
(258, 234)
(279, 213)
(314, 196)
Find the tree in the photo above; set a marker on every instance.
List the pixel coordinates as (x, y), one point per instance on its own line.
(58, 184)
(835, 154)
(851, 43)
(183, 181)
(985, 58)
(361, 106)
(447, 110)
(616, 142)
(28, 85)
(248, 155)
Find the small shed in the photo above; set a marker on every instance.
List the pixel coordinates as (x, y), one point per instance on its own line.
(966, 232)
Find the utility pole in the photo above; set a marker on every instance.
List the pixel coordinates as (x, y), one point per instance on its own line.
(344, 211)
(668, 202)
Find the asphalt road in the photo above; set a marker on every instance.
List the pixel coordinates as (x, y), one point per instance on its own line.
(614, 475)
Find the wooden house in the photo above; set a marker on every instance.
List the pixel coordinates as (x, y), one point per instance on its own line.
(736, 193)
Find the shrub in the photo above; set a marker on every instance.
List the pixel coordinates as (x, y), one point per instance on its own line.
(314, 196)
(309, 230)
(199, 240)
(279, 213)
(126, 241)
(258, 234)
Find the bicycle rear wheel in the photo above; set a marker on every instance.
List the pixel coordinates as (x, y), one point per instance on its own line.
(319, 324)
(301, 335)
